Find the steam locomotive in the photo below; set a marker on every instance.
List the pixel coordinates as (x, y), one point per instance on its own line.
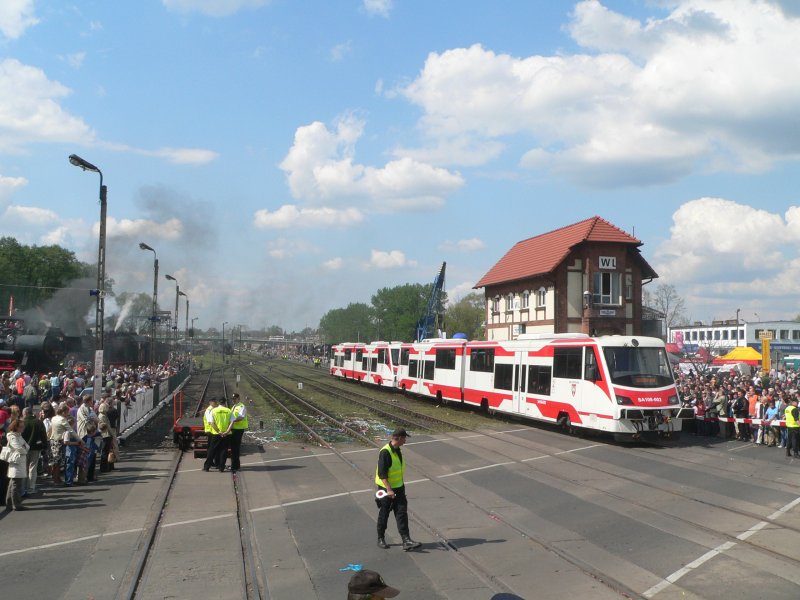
(49, 349)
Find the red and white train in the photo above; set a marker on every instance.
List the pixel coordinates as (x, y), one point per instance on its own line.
(620, 385)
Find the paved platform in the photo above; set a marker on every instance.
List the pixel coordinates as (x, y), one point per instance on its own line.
(541, 514)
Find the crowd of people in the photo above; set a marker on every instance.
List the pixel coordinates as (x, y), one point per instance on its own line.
(730, 395)
(55, 430)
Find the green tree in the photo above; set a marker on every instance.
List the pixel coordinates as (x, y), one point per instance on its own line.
(468, 316)
(351, 324)
(32, 274)
(398, 309)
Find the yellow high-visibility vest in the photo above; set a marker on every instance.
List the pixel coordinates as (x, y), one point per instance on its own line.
(395, 474)
(239, 410)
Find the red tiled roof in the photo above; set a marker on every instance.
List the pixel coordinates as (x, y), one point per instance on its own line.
(543, 253)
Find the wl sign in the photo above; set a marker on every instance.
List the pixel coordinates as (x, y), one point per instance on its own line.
(608, 262)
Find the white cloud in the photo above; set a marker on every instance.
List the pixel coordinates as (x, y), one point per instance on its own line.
(75, 60)
(29, 109)
(171, 229)
(212, 8)
(30, 214)
(289, 215)
(285, 248)
(722, 253)
(697, 90)
(468, 245)
(381, 8)
(320, 168)
(9, 185)
(15, 17)
(333, 264)
(389, 260)
(60, 236)
(185, 156)
(340, 51)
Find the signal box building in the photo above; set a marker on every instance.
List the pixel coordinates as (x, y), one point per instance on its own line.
(583, 278)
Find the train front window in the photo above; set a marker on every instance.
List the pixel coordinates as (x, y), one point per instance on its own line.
(638, 367)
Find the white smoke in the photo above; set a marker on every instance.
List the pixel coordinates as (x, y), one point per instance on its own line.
(123, 314)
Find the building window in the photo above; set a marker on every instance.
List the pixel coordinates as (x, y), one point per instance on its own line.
(526, 299)
(496, 304)
(510, 302)
(607, 289)
(724, 334)
(628, 286)
(694, 336)
(796, 334)
(702, 336)
(541, 297)
(716, 334)
(784, 334)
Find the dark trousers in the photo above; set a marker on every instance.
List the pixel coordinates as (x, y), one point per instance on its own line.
(236, 448)
(211, 451)
(792, 441)
(398, 505)
(222, 451)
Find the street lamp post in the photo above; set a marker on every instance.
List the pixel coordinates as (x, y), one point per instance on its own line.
(223, 342)
(191, 339)
(177, 293)
(144, 246)
(738, 333)
(186, 327)
(77, 161)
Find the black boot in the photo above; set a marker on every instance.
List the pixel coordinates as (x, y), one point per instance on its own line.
(409, 544)
(382, 542)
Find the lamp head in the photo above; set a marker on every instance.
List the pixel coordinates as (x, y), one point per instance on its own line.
(143, 246)
(85, 165)
(181, 294)
(170, 277)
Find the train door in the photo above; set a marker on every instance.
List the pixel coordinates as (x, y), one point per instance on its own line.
(567, 382)
(519, 389)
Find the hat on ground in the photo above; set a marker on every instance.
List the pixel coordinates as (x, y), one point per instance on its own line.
(400, 432)
(370, 582)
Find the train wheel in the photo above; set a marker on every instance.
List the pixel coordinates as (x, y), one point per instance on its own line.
(485, 406)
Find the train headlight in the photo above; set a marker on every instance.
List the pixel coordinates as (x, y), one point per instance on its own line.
(673, 399)
(624, 400)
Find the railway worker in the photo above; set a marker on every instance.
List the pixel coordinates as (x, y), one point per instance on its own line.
(212, 433)
(222, 420)
(236, 429)
(369, 585)
(389, 479)
(792, 417)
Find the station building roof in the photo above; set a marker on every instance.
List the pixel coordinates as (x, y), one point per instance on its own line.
(541, 254)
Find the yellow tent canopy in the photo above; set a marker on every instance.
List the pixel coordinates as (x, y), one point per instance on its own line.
(742, 354)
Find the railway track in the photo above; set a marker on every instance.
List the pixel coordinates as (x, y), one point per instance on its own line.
(559, 475)
(136, 578)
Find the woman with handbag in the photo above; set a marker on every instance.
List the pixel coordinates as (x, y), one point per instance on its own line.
(58, 426)
(108, 451)
(17, 458)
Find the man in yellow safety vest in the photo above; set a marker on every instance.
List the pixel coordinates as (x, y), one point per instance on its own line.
(236, 429)
(793, 428)
(212, 434)
(222, 419)
(391, 494)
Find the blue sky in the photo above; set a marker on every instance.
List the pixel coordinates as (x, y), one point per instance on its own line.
(289, 157)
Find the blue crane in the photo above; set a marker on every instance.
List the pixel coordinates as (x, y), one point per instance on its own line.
(432, 319)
